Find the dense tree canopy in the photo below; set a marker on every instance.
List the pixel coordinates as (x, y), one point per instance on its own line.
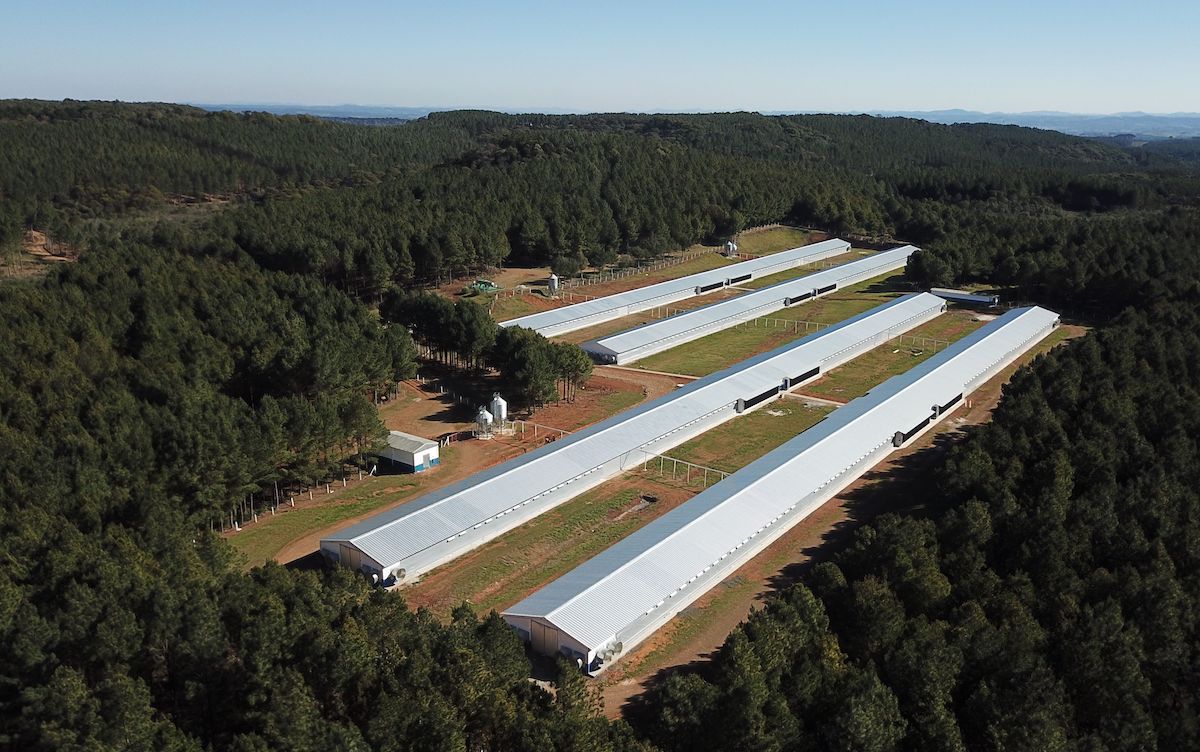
(1051, 603)
(1047, 599)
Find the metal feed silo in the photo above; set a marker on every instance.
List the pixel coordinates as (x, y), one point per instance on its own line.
(499, 409)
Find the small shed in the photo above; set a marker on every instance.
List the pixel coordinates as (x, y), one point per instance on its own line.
(413, 453)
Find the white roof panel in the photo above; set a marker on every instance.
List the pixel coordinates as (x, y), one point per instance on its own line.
(614, 595)
(592, 312)
(656, 336)
(407, 442)
(391, 537)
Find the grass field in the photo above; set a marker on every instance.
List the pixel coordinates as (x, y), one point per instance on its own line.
(508, 308)
(771, 241)
(735, 444)
(504, 570)
(724, 348)
(261, 541)
(610, 404)
(870, 369)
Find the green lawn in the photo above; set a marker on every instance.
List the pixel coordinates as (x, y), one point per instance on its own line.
(870, 369)
(259, 542)
(724, 348)
(509, 307)
(700, 264)
(771, 241)
(615, 402)
(735, 444)
(506, 569)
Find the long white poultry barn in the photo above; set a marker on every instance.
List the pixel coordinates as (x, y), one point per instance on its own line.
(601, 609)
(645, 340)
(401, 544)
(590, 313)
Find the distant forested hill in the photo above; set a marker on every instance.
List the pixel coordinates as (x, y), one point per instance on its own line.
(98, 156)
(1183, 149)
(1049, 600)
(366, 208)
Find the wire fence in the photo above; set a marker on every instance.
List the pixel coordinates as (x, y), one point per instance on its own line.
(681, 469)
(798, 325)
(595, 278)
(924, 343)
(538, 429)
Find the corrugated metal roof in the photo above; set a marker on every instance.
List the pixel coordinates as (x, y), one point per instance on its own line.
(964, 296)
(407, 442)
(459, 510)
(645, 340)
(592, 312)
(635, 585)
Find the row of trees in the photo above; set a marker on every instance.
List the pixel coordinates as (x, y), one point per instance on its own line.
(463, 334)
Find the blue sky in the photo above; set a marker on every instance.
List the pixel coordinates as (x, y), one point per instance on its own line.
(838, 55)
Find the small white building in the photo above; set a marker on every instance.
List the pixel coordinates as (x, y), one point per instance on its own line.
(413, 453)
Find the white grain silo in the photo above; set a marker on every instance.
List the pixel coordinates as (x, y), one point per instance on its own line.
(499, 409)
(483, 424)
(552, 284)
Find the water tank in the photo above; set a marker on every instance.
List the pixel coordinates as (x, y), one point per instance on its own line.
(499, 408)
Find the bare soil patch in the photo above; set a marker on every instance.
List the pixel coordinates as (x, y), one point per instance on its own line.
(37, 253)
